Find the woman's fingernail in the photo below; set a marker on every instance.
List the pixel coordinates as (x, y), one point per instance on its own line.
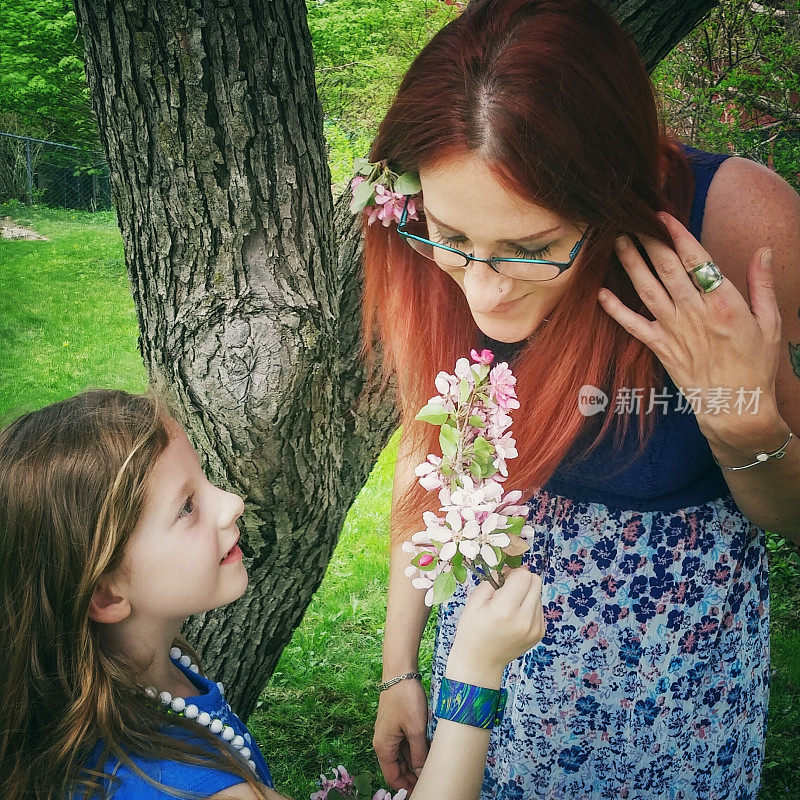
(621, 243)
(766, 258)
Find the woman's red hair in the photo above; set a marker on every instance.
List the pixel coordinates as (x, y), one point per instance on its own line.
(553, 95)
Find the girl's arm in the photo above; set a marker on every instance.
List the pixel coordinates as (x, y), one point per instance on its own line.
(241, 791)
(495, 627)
(400, 727)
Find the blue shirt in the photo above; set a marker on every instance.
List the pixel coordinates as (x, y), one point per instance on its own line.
(203, 780)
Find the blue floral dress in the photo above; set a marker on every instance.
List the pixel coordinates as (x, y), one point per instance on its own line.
(652, 678)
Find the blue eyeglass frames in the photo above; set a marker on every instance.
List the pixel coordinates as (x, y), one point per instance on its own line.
(513, 267)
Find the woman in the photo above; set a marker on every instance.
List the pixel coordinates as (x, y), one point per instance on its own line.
(534, 131)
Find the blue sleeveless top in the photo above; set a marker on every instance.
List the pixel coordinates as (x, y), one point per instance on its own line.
(676, 469)
(204, 781)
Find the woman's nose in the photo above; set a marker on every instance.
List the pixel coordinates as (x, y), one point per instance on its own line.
(485, 288)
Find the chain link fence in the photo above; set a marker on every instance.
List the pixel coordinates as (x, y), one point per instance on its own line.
(52, 174)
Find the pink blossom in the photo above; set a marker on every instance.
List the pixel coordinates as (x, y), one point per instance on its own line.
(446, 385)
(459, 535)
(464, 371)
(428, 472)
(342, 781)
(502, 383)
(390, 206)
(484, 357)
(385, 794)
(372, 213)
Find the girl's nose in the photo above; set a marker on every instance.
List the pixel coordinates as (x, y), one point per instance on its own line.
(485, 288)
(231, 509)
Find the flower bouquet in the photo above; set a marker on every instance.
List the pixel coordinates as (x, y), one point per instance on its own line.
(481, 530)
(344, 786)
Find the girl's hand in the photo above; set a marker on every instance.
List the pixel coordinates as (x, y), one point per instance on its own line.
(497, 626)
(714, 342)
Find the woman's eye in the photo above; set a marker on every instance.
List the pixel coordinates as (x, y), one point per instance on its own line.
(522, 252)
(189, 504)
(458, 244)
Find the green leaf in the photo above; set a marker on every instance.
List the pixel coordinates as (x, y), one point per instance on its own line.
(433, 413)
(408, 183)
(448, 440)
(476, 421)
(483, 447)
(335, 794)
(363, 784)
(459, 570)
(481, 372)
(476, 469)
(463, 391)
(362, 195)
(359, 164)
(514, 561)
(443, 587)
(514, 526)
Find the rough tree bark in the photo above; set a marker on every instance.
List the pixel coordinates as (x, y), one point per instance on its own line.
(246, 279)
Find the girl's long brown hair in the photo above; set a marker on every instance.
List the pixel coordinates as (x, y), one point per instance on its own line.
(73, 480)
(554, 96)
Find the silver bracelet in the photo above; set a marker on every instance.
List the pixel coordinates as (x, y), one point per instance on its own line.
(393, 681)
(761, 457)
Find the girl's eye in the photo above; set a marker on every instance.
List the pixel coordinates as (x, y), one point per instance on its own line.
(188, 504)
(521, 252)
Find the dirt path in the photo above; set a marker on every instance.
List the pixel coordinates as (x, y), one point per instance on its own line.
(11, 230)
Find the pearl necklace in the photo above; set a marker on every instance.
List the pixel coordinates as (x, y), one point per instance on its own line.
(178, 705)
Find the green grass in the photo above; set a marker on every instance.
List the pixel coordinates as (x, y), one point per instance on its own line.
(67, 320)
(315, 711)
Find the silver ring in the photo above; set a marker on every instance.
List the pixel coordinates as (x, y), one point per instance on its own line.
(707, 277)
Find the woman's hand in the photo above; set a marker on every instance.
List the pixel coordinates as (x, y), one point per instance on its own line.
(497, 626)
(400, 739)
(711, 341)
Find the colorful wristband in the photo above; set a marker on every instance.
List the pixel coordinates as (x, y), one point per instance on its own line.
(470, 704)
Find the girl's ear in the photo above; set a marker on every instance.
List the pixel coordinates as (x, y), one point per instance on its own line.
(106, 605)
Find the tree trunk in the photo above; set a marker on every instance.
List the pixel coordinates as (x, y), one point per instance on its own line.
(656, 25)
(246, 280)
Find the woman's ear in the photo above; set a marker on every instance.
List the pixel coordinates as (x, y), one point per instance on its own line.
(106, 605)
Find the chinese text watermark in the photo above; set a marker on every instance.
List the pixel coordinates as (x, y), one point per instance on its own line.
(715, 400)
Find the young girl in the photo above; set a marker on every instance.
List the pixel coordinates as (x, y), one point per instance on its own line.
(110, 537)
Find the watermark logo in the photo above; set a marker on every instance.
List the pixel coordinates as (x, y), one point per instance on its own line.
(591, 400)
(715, 400)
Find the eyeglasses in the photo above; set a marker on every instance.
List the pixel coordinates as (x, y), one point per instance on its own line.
(524, 269)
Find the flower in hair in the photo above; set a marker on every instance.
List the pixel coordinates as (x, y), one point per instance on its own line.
(381, 193)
